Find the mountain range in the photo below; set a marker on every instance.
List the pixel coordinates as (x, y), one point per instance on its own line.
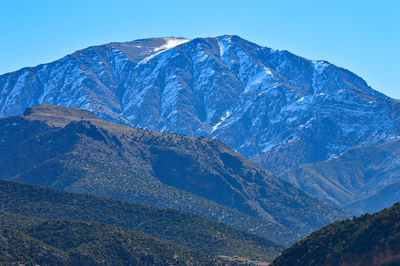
(282, 111)
(196, 151)
(73, 150)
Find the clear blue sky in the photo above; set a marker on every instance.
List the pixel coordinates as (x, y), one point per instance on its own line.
(362, 36)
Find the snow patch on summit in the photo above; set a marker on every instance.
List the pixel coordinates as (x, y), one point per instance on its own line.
(169, 43)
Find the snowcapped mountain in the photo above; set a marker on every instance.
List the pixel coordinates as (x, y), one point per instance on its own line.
(280, 109)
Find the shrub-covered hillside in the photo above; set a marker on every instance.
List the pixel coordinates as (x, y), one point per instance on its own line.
(28, 241)
(365, 240)
(188, 230)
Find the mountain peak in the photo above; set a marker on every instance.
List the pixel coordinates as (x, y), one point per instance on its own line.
(162, 43)
(142, 50)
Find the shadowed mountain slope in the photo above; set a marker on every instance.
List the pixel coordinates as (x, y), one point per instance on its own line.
(363, 179)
